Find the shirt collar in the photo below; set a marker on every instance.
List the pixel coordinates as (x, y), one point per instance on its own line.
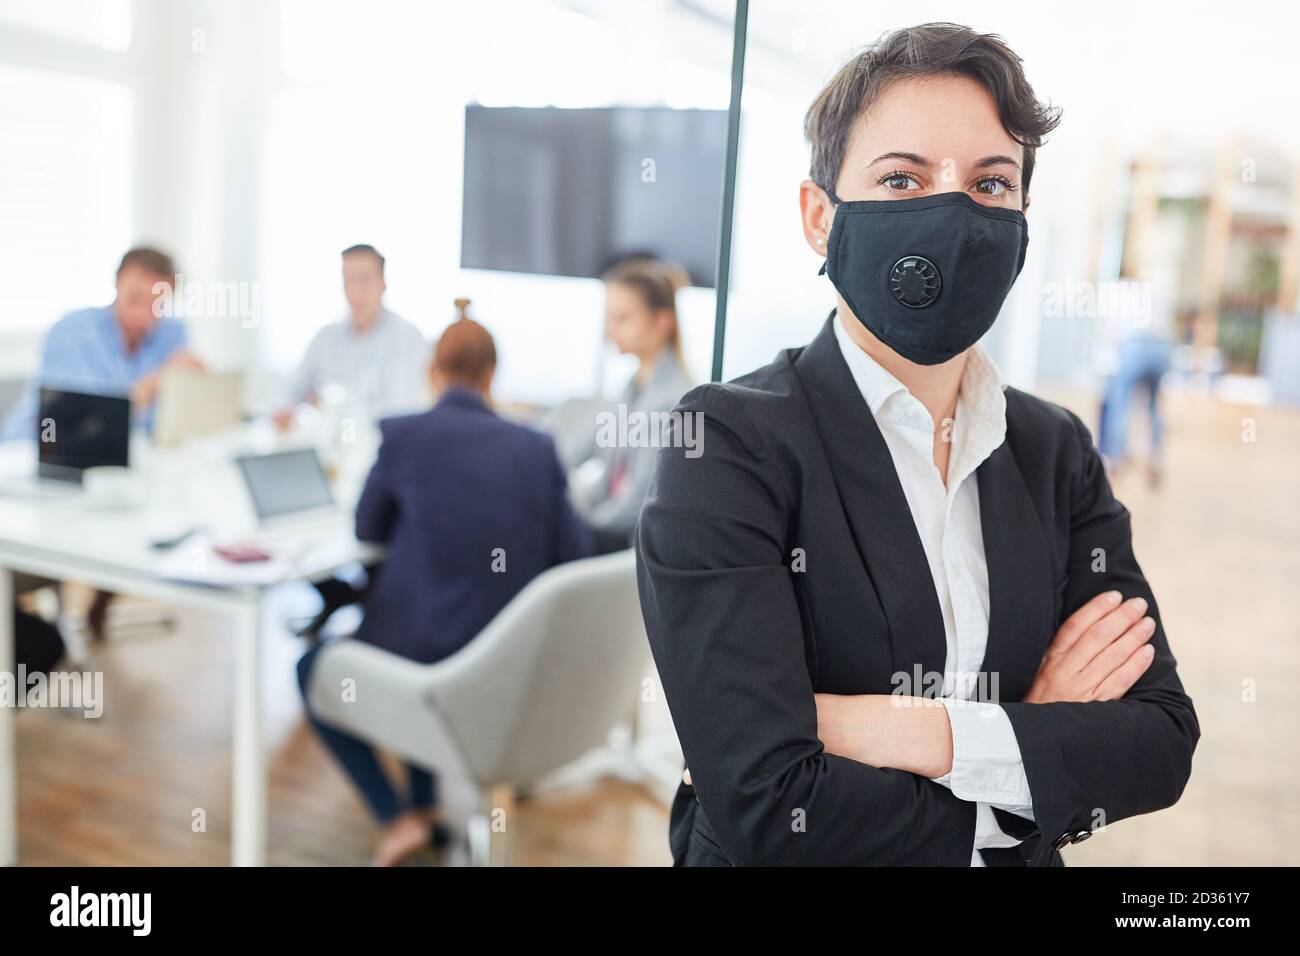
(113, 330)
(982, 392)
(380, 320)
(876, 385)
(981, 418)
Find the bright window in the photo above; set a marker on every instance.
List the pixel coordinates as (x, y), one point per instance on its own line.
(101, 23)
(365, 144)
(64, 199)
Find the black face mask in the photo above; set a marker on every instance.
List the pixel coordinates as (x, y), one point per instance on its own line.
(926, 276)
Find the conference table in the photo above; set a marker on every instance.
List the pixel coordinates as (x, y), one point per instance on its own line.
(70, 537)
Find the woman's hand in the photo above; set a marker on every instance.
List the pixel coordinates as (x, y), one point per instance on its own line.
(1098, 654)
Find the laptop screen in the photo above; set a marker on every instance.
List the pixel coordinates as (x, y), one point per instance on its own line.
(76, 431)
(285, 482)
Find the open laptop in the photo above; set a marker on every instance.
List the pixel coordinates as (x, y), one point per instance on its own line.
(295, 507)
(192, 403)
(74, 431)
(287, 487)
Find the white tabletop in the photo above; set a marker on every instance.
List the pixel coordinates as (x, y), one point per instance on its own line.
(195, 486)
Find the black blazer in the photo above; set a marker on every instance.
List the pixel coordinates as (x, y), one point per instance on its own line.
(792, 459)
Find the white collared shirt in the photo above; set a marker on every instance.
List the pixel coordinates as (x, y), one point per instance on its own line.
(986, 763)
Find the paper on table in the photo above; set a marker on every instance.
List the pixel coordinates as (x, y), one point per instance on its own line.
(196, 561)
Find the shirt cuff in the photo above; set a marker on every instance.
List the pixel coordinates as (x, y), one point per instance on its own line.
(988, 835)
(986, 763)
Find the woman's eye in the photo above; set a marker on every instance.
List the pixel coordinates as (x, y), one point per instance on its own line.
(898, 181)
(992, 187)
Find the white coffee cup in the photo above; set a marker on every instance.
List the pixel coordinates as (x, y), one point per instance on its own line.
(110, 486)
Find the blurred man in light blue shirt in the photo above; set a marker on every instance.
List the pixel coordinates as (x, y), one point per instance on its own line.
(373, 358)
(118, 349)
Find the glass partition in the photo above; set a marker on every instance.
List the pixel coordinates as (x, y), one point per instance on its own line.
(1165, 207)
(1159, 168)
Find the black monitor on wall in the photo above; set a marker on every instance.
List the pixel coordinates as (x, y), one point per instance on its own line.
(568, 192)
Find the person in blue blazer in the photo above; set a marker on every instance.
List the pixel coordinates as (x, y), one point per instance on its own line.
(471, 507)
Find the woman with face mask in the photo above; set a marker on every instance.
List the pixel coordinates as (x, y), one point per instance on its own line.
(641, 321)
(894, 605)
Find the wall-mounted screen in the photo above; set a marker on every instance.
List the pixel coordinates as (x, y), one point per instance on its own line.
(570, 191)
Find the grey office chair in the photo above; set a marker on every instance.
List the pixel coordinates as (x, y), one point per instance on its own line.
(542, 685)
(572, 426)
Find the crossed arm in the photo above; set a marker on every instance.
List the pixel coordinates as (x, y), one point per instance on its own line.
(1097, 654)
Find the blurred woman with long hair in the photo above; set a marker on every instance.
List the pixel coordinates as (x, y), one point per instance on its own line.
(640, 320)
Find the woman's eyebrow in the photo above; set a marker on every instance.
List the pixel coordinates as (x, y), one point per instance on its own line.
(905, 157)
(996, 161)
(918, 160)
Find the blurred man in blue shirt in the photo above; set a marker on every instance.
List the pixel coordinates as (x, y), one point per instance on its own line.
(118, 349)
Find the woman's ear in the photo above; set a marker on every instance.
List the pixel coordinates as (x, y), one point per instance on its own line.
(665, 320)
(818, 213)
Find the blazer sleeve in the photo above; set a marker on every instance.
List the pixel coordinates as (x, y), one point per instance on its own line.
(1091, 764)
(569, 538)
(729, 644)
(377, 506)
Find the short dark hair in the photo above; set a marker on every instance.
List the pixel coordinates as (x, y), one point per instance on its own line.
(152, 261)
(366, 249)
(931, 49)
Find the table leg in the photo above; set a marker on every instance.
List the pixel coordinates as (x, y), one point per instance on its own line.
(248, 773)
(8, 739)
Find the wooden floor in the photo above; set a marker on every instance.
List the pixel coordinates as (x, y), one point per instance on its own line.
(125, 789)
(1220, 542)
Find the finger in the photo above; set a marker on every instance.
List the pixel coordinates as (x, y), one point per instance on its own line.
(1114, 655)
(1096, 638)
(1118, 683)
(1077, 623)
(686, 776)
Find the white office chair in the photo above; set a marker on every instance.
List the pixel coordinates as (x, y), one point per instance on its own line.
(542, 685)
